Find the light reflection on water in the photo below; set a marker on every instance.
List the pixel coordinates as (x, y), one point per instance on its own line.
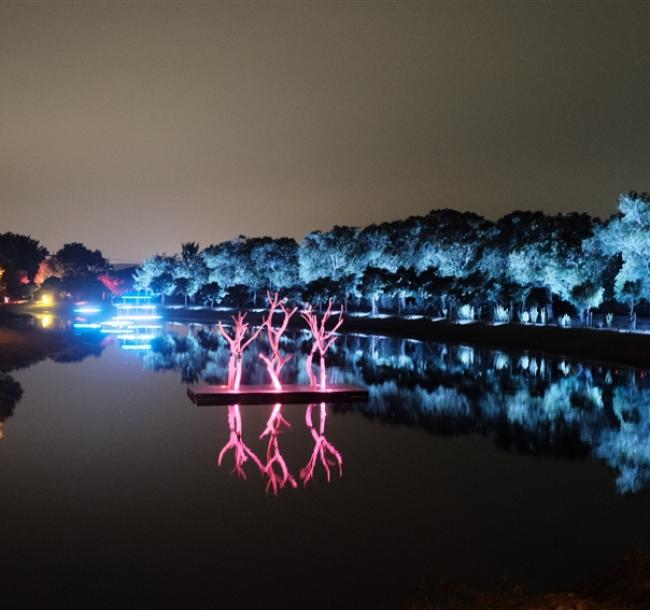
(527, 403)
(273, 465)
(111, 480)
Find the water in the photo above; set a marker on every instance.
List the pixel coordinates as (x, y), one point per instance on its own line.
(466, 465)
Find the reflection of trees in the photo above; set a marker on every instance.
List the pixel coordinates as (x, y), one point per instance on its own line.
(241, 451)
(531, 404)
(27, 347)
(10, 393)
(76, 351)
(276, 468)
(323, 452)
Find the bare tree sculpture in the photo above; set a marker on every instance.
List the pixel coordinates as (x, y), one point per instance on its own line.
(276, 467)
(323, 339)
(235, 442)
(237, 346)
(323, 450)
(276, 361)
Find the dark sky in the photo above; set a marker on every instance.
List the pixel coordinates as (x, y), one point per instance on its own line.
(133, 127)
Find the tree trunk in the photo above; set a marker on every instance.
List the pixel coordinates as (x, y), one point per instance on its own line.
(310, 370)
(549, 306)
(323, 373)
(238, 372)
(231, 372)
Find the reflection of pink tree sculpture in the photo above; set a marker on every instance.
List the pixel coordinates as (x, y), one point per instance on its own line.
(323, 339)
(323, 451)
(237, 346)
(276, 467)
(276, 361)
(241, 451)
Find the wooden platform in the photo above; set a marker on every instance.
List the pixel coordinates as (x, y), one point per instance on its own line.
(267, 394)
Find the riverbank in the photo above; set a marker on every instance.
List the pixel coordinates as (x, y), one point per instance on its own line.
(601, 345)
(604, 345)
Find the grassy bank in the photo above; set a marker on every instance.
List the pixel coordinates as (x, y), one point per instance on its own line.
(611, 346)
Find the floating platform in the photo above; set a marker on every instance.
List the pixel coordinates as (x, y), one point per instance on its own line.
(267, 394)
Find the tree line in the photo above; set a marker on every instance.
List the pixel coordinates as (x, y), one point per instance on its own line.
(27, 268)
(527, 266)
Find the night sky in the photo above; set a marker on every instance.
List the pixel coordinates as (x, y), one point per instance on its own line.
(133, 127)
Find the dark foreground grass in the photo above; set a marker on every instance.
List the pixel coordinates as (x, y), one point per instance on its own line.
(627, 587)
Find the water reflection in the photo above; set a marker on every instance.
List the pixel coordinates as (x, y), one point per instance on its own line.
(10, 393)
(324, 452)
(527, 403)
(69, 349)
(274, 467)
(241, 451)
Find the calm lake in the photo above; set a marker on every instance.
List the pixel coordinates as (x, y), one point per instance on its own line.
(466, 465)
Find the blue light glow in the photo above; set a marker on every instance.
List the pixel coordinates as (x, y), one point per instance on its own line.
(87, 310)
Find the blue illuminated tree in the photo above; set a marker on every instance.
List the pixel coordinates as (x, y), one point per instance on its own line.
(584, 297)
(156, 275)
(190, 272)
(229, 263)
(210, 293)
(373, 285)
(628, 234)
(275, 263)
(331, 254)
(449, 241)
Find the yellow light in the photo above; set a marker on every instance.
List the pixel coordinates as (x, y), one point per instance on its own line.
(46, 299)
(46, 320)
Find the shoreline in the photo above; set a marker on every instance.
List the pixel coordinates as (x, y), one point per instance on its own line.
(608, 346)
(612, 347)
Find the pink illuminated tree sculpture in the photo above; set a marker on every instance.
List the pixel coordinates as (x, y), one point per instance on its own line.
(323, 451)
(235, 442)
(276, 467)
(237, 345)
(276, 361)
(323, 339)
